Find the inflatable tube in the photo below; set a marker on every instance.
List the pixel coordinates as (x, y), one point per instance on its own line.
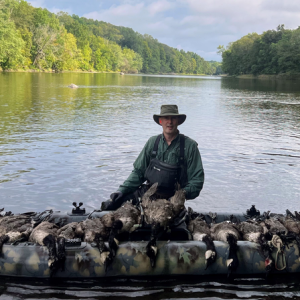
(174, 258)
(177, 255)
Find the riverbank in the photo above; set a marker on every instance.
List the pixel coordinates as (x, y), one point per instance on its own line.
(52, 71)
(97, 72)
(269, 77)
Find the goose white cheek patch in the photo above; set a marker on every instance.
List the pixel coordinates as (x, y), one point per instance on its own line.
(103, 256)
(229, 261)
(154, 249)
(209, 253)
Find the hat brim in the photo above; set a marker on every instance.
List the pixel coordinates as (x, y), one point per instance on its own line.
(181, 117)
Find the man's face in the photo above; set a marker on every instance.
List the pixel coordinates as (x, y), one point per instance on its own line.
(169, 124)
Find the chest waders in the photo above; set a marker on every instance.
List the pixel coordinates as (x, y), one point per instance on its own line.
(165, 174)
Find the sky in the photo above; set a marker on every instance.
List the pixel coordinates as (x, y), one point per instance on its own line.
(199, 26)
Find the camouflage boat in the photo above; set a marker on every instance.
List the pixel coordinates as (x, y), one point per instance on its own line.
(177, 255)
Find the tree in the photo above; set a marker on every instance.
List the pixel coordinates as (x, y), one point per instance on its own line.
(11, 43)
(288, 49)
(146, 54)
(43, 44)
(132, 62)
(86, 58)
(67, 54)
(238, 58)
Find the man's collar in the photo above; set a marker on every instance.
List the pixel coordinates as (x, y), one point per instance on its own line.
(175, 139)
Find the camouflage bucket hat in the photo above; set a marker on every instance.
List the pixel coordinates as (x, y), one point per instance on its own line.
(169, 110)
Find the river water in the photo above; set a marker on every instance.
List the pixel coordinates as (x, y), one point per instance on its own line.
(59, 145)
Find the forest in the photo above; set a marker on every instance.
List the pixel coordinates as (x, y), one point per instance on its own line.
(272, 52)
(36, 39)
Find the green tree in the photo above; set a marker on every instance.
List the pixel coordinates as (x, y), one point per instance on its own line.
(86, 58)
(132, 62)
(146, 54)
(288, 49)
(11, 43)
(238, 58)
(67, 55)
(43, 45)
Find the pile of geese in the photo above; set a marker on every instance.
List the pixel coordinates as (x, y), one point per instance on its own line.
(266, 230)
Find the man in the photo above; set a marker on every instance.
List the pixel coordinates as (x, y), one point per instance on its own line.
(167, 159)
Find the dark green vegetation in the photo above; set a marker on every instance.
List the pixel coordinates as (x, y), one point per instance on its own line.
(273, 52)
(216, 67)
(34, 38)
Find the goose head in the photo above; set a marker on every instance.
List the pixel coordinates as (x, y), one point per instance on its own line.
(210, 258)
(151, 251)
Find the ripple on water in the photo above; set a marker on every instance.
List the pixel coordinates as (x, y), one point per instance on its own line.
(255, 288)
(59, 145)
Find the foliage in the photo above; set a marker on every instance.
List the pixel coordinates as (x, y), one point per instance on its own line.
(273, 52)
(11, 42)
(36, 38)
(216, 67)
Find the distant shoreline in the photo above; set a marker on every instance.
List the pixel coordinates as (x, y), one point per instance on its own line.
(265, 76)
(97, 72)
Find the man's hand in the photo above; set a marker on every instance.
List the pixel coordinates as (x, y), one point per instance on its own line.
(112, 204)
(116, 196)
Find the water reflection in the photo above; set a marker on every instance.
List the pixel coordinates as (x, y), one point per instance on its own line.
(173, 288)
(60, 145)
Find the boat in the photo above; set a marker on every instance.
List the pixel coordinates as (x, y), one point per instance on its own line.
(178, 255)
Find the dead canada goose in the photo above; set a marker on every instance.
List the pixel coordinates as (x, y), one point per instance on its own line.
(201, 232)
(252, 231)
(274, 226)
(93, 231)
(228, 232)
(159, 213)
(292, 224)
(178, 200)
(273, 230)
(106, 256)
(68, 231)
(124, 218)
(162, 211)
(45, 235)
(14, 229)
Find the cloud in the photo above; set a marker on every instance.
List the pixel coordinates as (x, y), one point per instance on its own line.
(193, 25)
(37, 3)
(159, 6)
(56, 10)
(118, 15)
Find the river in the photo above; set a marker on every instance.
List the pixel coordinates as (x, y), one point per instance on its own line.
(59, 145)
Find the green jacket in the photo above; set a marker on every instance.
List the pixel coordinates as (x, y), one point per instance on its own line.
(169, 154)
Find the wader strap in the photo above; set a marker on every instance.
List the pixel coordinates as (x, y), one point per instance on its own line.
(154, 151)
(182, 144)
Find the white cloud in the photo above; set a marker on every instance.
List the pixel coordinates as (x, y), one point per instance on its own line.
(37, 3)
(198, 25)
(159, 6)
(55, 10)
(115, 14)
